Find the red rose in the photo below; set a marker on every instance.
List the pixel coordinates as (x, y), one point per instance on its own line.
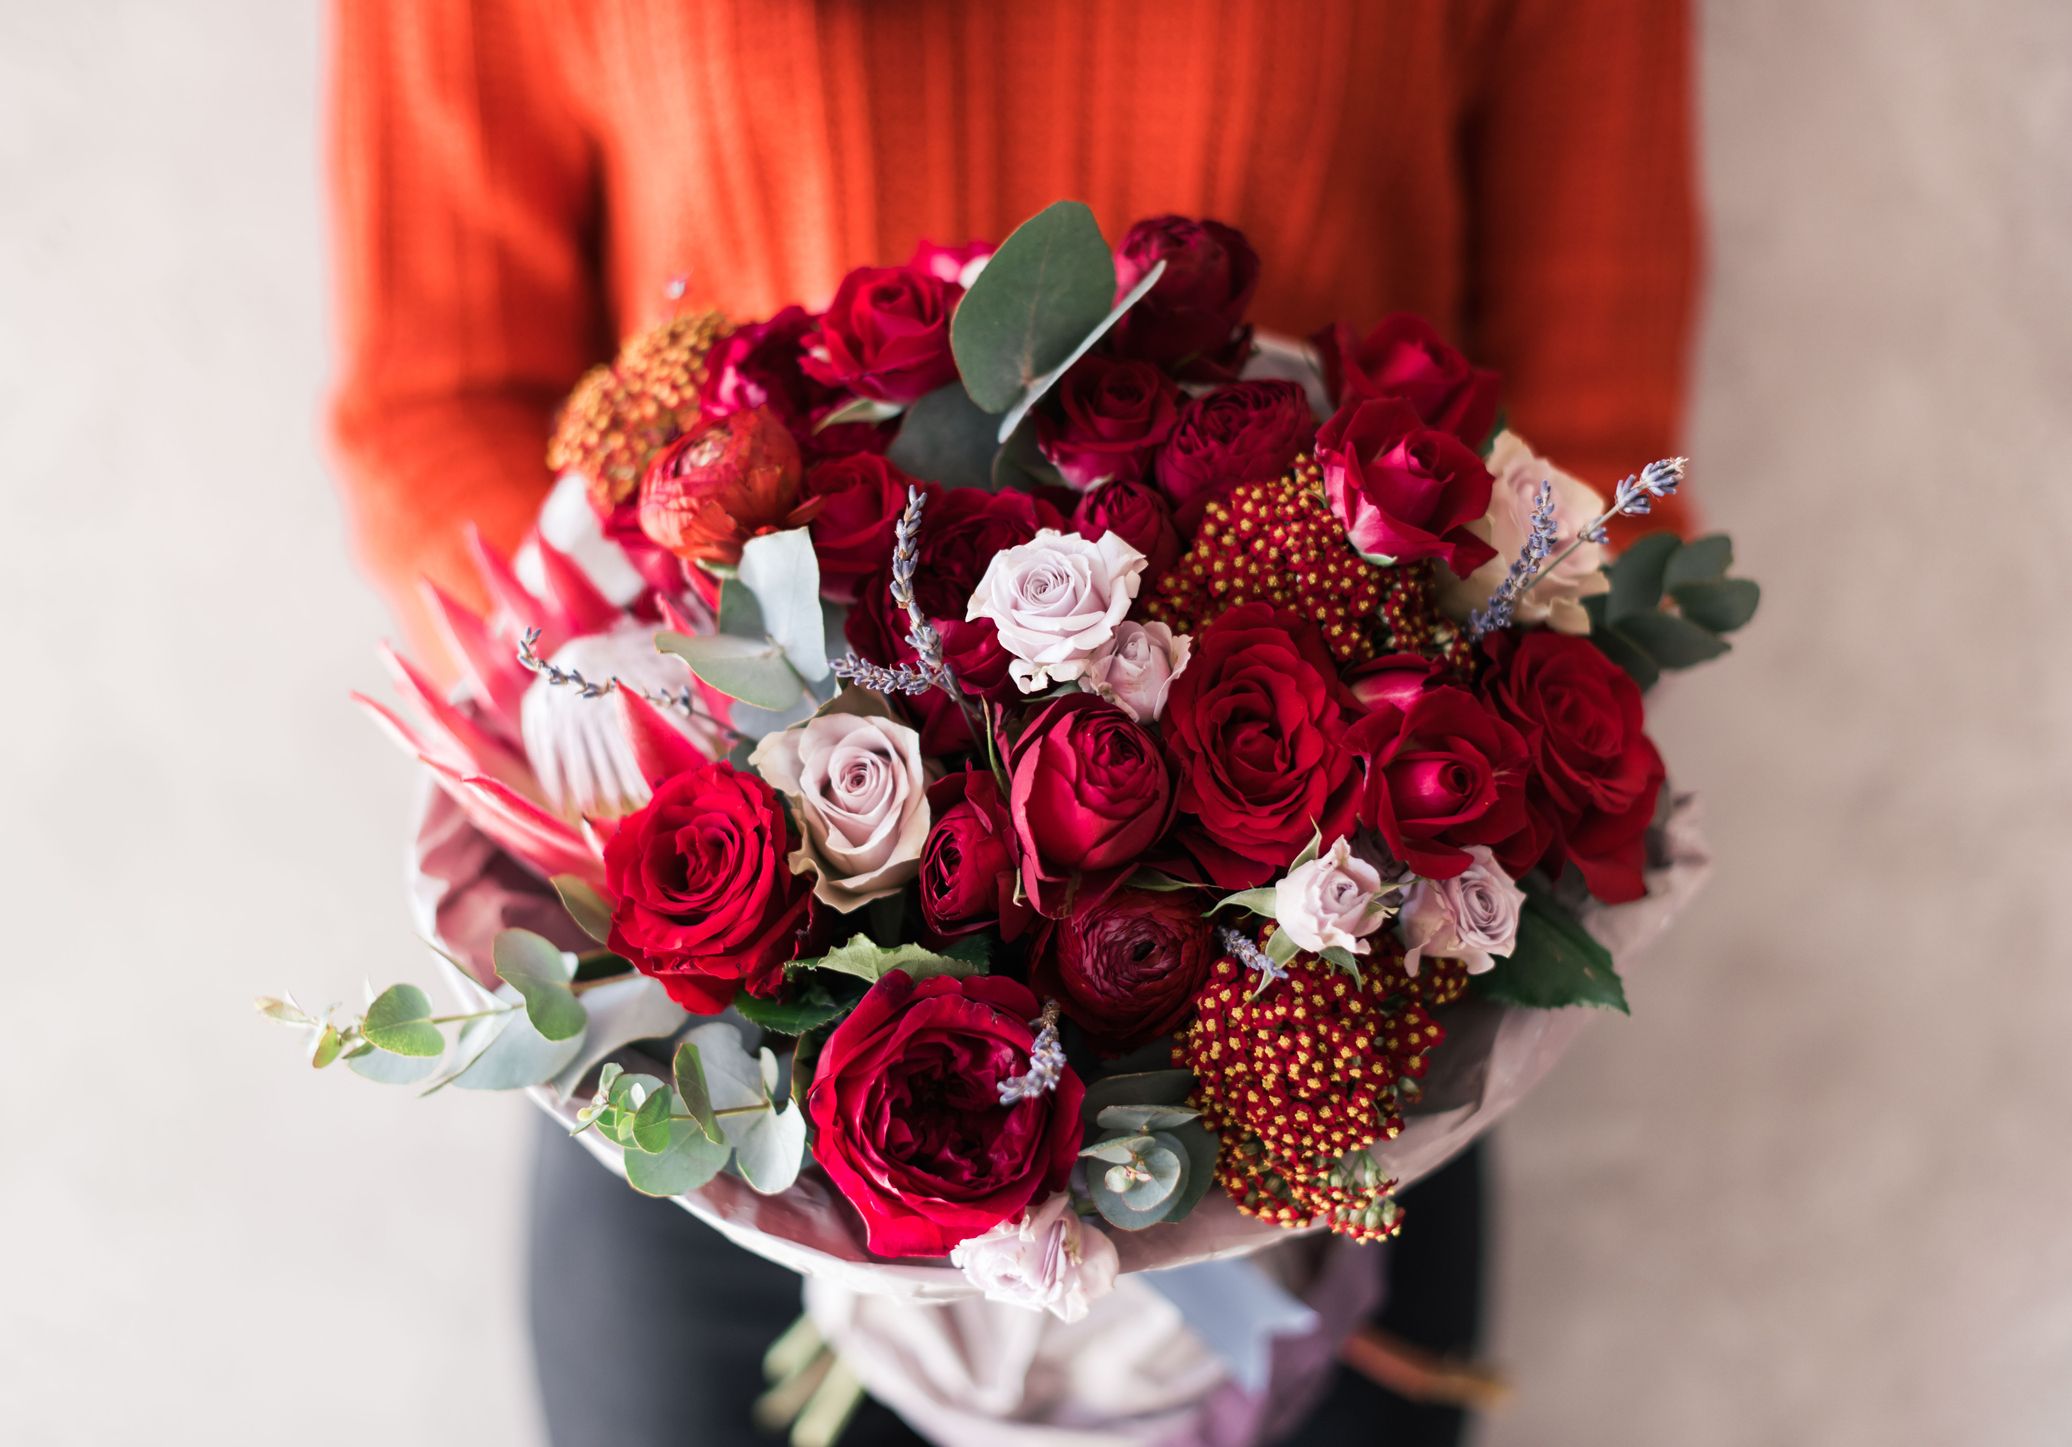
(886, 334)
(1405, 359)
(948, 263)
(1191, 322)
(1404, 490)
(1126, 970)
(1136, 514)
(968, 867)
(1441, 774)
(961, 529)
(907, 1119)
(861, 497)
(702, 898)
(1256, 727)
(1106, 420)
(1089, 795)
(723, 482)
(1394, 679)
(1595, 776)
(763, 365)
(1246, 433)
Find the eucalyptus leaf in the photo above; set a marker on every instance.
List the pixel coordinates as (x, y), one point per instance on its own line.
(1145, 1117)
(324, 1049)
(1041, 294)
(860, 409)
(1555, 962)
(284, 1012)
(1035, 391)
(385, 1069)
(539, 970)
(744, 669)
(504, 1052)
(783, 572)
(1134, 1206)
(870, 961)
(740, 616)
(1147, 1087)
(687, 1161)
(399, 1021)
(1118, 1150)
(1202, 1149)
(946, 438)
(1166, 1166)
(769, 1143)
(621, 1012)
(689, 1074)
(589, 909)
(1719, 607)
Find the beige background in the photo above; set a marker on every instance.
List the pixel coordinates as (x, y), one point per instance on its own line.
(1814, 1192)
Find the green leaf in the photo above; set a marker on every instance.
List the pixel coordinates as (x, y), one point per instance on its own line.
(945, 438)
(1636, 576)
(1041, 293)
(1159, 883)
(1118, 1149)
(1034, 392)
(385, 1069)
(1702, 560)
(740, 616)
(804, 1056)
(687, 1161)
(504, 1052)
(324, 1049)
(399, 1021)
(860, 409)
(807, 1009)
(1202, 1149)
(589, 909)
(650, 1124)
(1555, 963)
(1670, 641)
(1258, 901)
(741, 668)
(869, 961)
(975, 950)
(284, 1012)
(539, 970)
(1146, 1087)
(769, 1144)
(621, 1012)
(1642, 669)
(1134, 1205)
(690, 1084)
(783, 572)
(1719, 607)
(1145, 1117)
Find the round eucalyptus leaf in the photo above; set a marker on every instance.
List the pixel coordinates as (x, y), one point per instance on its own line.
(685, 1163)
(539, 970)
(399, 1021)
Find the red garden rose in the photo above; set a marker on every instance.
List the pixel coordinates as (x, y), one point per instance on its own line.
(1106, 420)
(1089, 794)
(861, 497)
(961, 529)
(1126, 970)
(1404, 490)
(1404, 358)
(1134, 512)
(948, 263)
(723, 482)
(1249, 432)
(702, 898)
(1442, 773)
(886, 335)
(1192, 321)
(907, 1119)
(1256, 726)
(968, 869)
(1595, 776)
(1393, 679)
(763, 365)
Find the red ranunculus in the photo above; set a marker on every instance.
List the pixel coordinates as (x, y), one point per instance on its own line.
(1442, 773)
(723, 482)
(1192, 321)
(702, 898)
(1404, 490)
(762, 365)
(1256, 727)
(1137, 514)
(1404, 358)
(1596, 776)
(1106, 420)
(1249, 432)
(907, 1119)
(886, 335)
(968, 867)
(861, 497)
(1089, 794)
(1126, 970)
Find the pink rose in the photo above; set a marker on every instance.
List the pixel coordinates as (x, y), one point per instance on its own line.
(1055, 600)
(1047, 1259)
(1469, 917)
(1333, 902)
(1135, 669)
(1556, 599)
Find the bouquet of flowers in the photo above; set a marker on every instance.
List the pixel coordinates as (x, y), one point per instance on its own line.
(1012, 780)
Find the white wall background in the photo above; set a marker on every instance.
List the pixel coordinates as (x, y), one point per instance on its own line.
(1814, 1192)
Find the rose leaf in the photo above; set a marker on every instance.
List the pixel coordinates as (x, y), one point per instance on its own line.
(1554, 963)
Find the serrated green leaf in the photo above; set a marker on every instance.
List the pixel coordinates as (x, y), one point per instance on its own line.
(945, 438)
(539, 970)
(1670, 641)
(975, 950)
(1049, 285)
(808, 1009)
(1636, 576)
(1719, 607)
(750, 671)
(399, 1022)
(589, 909)
(685, 1163)
(1701, 560)
(1555, 963)
(869, 961)
(783, 572)
(689, 1073)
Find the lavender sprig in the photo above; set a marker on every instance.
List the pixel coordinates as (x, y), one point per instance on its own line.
(1539, 541)
(1046, 1062)
(905, 678)
(683, 700)
(1253, 958)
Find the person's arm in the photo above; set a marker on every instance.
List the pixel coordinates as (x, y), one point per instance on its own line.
(464, 193)
(1582, 226)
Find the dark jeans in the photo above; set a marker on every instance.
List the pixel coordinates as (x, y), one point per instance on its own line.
(648, 1327)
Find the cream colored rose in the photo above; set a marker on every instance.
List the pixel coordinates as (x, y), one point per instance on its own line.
(1046, 1259)
(859, 788)
(1135, 669)
(1056, 599)
(1333, 902)
(1556, 599)
(1470, 917)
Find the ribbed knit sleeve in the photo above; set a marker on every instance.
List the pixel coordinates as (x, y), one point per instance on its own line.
(1582, 228)
(465, 201)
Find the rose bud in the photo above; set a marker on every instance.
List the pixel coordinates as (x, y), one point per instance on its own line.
(1089, 795)
(1192, 321)
(1441, 775)
(1250, 432)
(861, 497)
(1108, 419)
(1393, 679)
(1125, 970)
(968, 869)
(1333, 902)
(886, 335)
(907, 1119)
(1404, 358)
(1471, 917)
(1134, 512)
(1402, 490)
(725, 481)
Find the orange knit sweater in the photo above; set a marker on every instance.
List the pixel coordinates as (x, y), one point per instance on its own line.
(518, 181)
